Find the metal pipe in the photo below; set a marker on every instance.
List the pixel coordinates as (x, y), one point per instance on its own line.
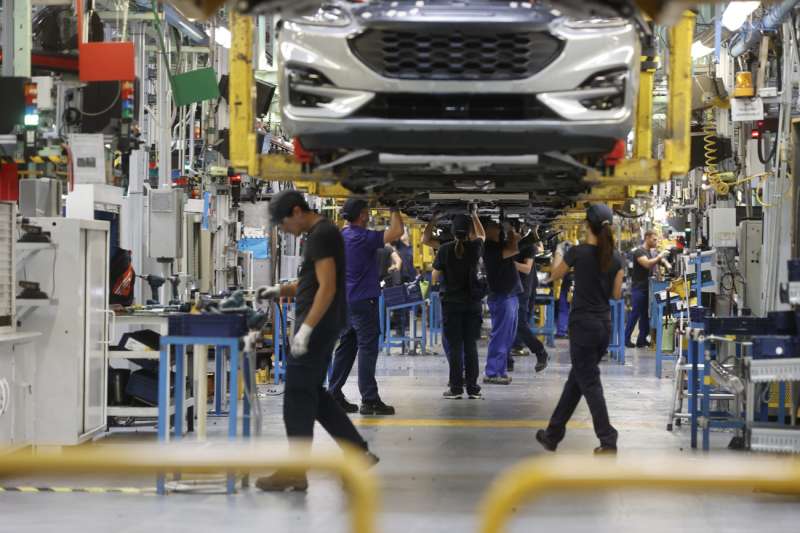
(749, 36)
(203, 458)
(533, 478)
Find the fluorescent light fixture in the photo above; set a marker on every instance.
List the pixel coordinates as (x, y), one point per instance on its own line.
(222, 36)
(700, 50)
(736, 13)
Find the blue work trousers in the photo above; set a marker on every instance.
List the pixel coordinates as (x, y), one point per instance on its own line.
(640, 312)
(503, 310)
(562, 325)
(360, 338)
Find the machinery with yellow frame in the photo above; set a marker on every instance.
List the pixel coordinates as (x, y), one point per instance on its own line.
(630, 177)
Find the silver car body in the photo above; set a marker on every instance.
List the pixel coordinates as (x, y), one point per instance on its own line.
(337, 122)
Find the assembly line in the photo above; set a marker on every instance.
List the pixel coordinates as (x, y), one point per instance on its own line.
(390, 265)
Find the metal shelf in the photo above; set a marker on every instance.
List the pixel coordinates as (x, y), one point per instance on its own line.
(37, 302)
(34, 246)
(771, 370)
(143, 412)
(26, 250)
(775, 440)
(133, 354)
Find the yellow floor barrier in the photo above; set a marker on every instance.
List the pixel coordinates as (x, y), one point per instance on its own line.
(206, 458)
(532, 478)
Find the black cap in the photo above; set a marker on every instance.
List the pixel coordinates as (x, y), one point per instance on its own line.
(599, 215)
(352, 208)
(460, 226)
(281, 205)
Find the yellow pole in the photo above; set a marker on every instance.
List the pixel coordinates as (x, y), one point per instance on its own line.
(205, 458)
(529, 479)
(677, 147)
(241, 95)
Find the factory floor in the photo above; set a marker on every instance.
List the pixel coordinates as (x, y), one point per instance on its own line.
(437, 460)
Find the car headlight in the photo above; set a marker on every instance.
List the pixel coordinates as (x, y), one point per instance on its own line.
(595, 23)
(326, 15)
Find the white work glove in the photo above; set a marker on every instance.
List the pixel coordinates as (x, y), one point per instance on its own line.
(301, 340)
(267, 292)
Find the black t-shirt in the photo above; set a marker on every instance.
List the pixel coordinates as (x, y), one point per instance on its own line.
(527, 251)
(324, 240)
(501, 274)
(593, 288)
(460, 276)
(640, 276)
(384, 259)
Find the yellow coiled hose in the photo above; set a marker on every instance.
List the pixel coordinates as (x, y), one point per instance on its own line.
(710, 149)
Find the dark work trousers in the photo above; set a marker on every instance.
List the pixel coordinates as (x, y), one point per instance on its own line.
(640, 312)
(588, 341)
(525, 336)
(305, 398)
(462, 326)
(360, 337)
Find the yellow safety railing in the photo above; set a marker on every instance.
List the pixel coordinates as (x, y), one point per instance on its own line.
(209, 458)
(530, 479)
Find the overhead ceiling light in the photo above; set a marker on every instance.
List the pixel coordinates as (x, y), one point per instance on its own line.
(736, 13)
(222, 36)
(700, 50)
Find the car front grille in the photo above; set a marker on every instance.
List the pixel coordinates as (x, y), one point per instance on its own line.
(455, 54)
(410, 106)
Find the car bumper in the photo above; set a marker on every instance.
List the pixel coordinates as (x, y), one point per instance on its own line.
(496, 137)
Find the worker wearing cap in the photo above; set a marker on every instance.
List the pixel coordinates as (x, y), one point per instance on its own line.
(360, 337)
(319, 294)
(598, 278)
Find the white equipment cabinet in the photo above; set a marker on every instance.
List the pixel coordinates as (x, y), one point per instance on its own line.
(72, 352)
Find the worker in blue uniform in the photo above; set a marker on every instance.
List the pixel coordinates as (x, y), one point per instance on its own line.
(598, 276)
(499, 252)
(360, 337)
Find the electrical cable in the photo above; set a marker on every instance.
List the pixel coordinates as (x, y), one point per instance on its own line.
(106, 110)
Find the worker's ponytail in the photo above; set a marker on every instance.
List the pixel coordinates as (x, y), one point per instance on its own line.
(459, 248)
(460, 229)
(605, 246)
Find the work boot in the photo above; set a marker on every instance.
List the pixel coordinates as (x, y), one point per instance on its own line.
(475, 395)
(497, 380)
(629, 344)
(450, 394)
(282, 481)
(541, 361)
(516, 351)
(541, 437)
(372, 459)
(346, 406)
(604, 449)
(376, 408)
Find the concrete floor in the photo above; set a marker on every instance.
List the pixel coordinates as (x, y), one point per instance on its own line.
(438, 458)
